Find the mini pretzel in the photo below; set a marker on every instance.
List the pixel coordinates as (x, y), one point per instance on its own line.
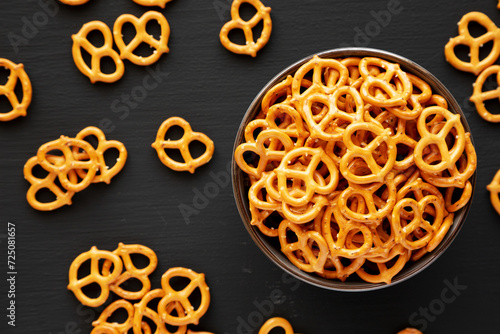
(319, 130)
(104, 329)
(279, 146)
(311, 261)
(365, 153)
(404, 235)
(63, 196)
(190, 315)
(17, 72)
(123, 327)
(251, 47)
(410, 331)
(494, 189)
(76, 284)
(142, 310)
(475, 64)
(159, 3)
(74, 2)
(396, 96)
(448, 156)
(131, 271)
(275, 322)
(94, 71)
(479, 96)
(105, 173)
(159, 46)
(65, 144)
(372, 213)
(318, 66)
(182, 145)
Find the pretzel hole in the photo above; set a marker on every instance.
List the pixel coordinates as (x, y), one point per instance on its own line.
(5, 105)
(92, 290)
(462, 52)
(4, 75)
(318, 108)
(246, 11)
(174, 133)
(403, 151)
(237, 36)
(44, 195)
(251, 158)
(119, 316)
(153, 28)
(492, 106)
(485, 49)
(140, 261)
(144, 50)
(108, 65)
(96, 38)
(476, 29)
(18, 91)
(39, 172)
(273, 220)
(132, 285)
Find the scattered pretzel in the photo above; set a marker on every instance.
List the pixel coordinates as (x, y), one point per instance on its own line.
(190, 315)
(275, 322)
(159, 3)
(479, 96)
(494, 189)
(94, 71)
(142, 275)
(63, 196)
(475, 65)
(251, 47)
(74, 2)
(353, 165)
(76, 284)
(78, 166)
(182, 144)
(142, 36)
(17, 74)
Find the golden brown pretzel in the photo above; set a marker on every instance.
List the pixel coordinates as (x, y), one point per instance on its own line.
(142, 36)
(251, 47)
(494, 189)
(76, 284)
(365, 152)
(94, 71)
(479, 96)
(159, 3)
(275, 322)
(172, 296)
(396, 96)
(182, 145)
(105, 173)
(285, 172)
(475, 64)
(123, 327)
(63, 196)
(17, 73)
(311, 262)
(142, 310)
(448, 156)
(280, 144)
(131, 271)
(66, 145)
(74, 2)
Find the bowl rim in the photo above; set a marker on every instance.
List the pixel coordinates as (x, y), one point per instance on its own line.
(274, 254)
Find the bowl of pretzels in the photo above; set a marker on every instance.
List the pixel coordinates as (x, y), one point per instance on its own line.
(353, 169)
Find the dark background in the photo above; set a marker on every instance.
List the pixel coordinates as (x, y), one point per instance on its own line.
(212, 88)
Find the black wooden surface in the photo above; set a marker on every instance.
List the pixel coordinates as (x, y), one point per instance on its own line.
(210, 87)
